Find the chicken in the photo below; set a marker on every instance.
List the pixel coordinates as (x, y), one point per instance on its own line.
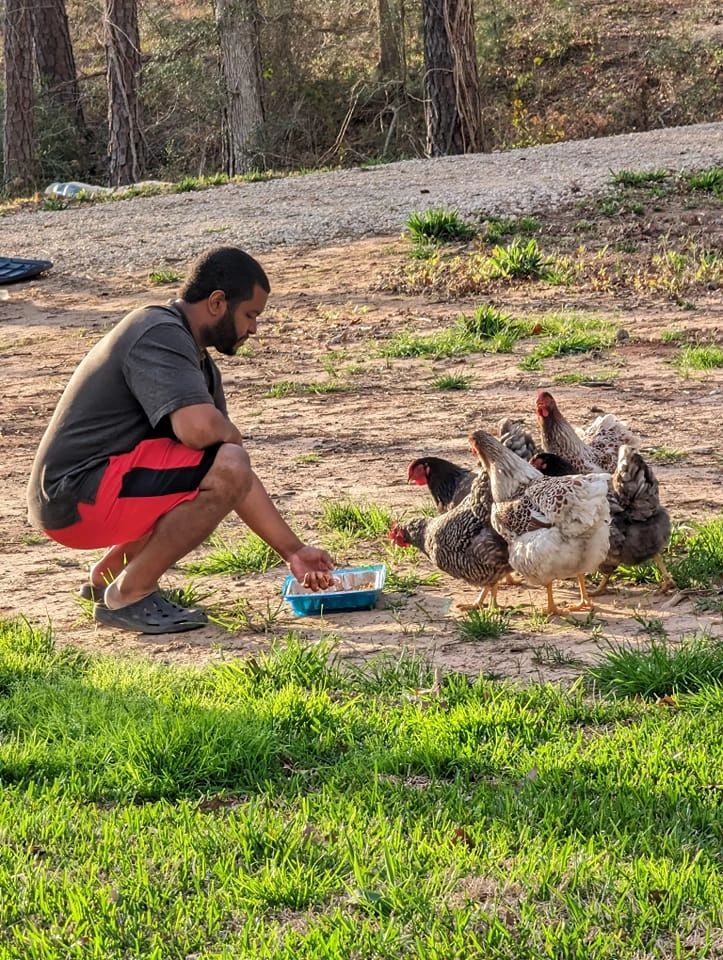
(555, 528)
(449, 483)
(640, 524)
(591, 451)
(516, 437)
(461, 542)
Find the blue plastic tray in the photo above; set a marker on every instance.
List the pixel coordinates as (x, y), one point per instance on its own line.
(304, 603)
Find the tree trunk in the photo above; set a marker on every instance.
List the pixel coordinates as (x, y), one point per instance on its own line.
(451, 82)
(126, 145)
(243, 117)
(54, 57)
(18, 146)
(390, 47)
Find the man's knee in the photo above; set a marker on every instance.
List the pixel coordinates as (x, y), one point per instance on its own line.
(230, 474)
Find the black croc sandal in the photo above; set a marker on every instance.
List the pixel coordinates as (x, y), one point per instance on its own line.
(152, 614)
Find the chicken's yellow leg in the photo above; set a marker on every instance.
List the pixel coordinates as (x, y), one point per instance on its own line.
(585, 601)
(668, 583)
(552, 608)
(601, 588)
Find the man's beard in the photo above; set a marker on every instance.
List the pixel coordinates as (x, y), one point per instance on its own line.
(223, 336)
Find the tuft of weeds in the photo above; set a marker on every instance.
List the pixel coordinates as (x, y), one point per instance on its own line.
(550, 655)
(710, 181)
(251, 554)
(357, 520)
(453, 342)
(662, 669)
(187, 594)
(488, 321)
(653, 626)
(700, 357)
(673, 335)
(484, 624)
(286, 388)
(409, 581)
(241, 615)
(452, 381)
(665, 454)
(305, 458)
(698, 558)
(496, 229)
(438, 226)
(638, 178)
(569, 333)
(600, 377)
(164, 276)
(519, 260)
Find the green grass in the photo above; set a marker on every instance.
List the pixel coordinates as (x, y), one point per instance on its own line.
(357, 520)
(287, 388)
(519, 260)
(697, 558)
(700, 357)
(307, 458)
(164, 276)
(665, 454)
(568, 332)
(710, 181)
(638, 178)
(484, 624)
(600, 376)
(497, 228)
(438, 226)
(662, 668)
(408, 581)
(452, 381)
(452, 342)
(287, 807)
(673, 335)
(250, 554)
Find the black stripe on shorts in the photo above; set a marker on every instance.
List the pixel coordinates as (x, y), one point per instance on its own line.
(150, 482)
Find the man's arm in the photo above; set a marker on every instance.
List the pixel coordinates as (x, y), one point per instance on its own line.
(200, 425)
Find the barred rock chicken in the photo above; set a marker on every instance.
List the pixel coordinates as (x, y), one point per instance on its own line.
(555, 528)
(461, 541)
(449, 483)
(640, 524)
(592, 450)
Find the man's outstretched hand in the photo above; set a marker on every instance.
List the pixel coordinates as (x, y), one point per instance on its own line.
(312, 567)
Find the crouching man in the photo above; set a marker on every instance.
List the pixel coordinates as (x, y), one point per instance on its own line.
(141, 458)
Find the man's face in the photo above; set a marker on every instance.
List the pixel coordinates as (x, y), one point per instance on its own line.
(234, 327)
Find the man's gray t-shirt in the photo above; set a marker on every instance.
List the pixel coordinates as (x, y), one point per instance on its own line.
(122, 393)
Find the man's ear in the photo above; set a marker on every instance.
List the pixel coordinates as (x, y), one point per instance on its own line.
(217, 303)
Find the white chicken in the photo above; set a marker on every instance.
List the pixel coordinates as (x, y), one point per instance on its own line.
(555, 528)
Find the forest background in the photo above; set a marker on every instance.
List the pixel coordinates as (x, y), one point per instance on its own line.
(337, 82)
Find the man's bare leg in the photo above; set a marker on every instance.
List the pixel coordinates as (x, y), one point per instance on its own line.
(112, 563)
(229, 485)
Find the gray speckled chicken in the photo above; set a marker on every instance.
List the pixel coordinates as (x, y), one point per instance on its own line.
(461, 542)
(555, 528)
(591, 450)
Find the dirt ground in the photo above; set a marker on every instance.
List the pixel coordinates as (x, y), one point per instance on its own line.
(326, 315)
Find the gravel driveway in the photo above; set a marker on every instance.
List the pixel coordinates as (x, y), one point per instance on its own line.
(146, 233)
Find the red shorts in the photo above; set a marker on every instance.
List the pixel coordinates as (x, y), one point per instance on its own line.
(135, 491)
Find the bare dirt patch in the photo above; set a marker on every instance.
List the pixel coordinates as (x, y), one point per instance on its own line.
(327, 317)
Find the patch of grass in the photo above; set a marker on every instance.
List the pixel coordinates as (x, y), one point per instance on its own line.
(286, 388)
(308, 458)
(359, 520)
(164, 276)
(569, 333)
(662, 669)
(710, 181)
(653, 626)
(638, 178)
(673, 335)
(247, 555)
(496, 229)
(408, 581)
(453, 342)
(700, 357)
(488, 321)
(664, 454)
(519, 260)
(600, 376)
(438, 226)
(550, 655)
(270, 806)
(697, 559)
(188, 594)
(241, 615)
(452, 381)
(484, 624)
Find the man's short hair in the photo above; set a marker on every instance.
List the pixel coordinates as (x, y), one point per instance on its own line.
(224, 268)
